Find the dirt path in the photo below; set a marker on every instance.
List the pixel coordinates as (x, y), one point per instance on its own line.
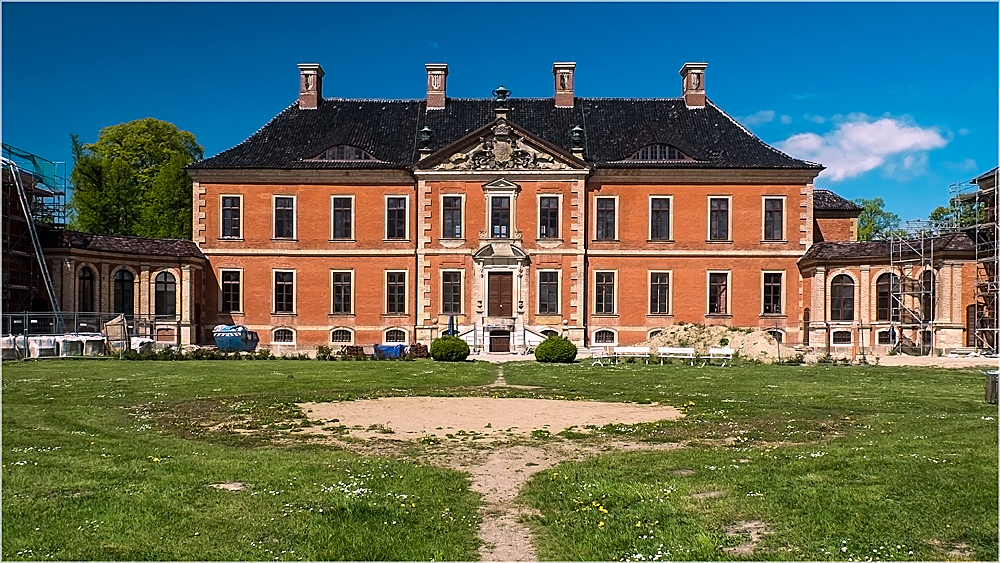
(488, 438)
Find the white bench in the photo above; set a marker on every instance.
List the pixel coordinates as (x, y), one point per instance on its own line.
(631, 352)
(682, 353)
(724, 354)
(598, 354)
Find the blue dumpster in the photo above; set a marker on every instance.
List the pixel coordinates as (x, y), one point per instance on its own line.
(235, 338)
(393, 352)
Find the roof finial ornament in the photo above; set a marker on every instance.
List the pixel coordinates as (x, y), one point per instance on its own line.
(501, 94)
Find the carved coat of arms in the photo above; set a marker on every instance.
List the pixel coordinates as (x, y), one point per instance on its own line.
(503, 150)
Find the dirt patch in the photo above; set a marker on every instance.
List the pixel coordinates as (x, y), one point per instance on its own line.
(234, 486)
(753, 344)
(413, 418)
(755, 528)
(684, 472)
(708, 494)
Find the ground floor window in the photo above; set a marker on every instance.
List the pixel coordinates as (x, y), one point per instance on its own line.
(776, 335)
(395, 335)
(604, 337)
(842, 337)
(340, 336)
(283, 336)
(887, 337)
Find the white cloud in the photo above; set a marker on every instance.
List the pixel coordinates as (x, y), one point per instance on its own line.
(963, 131)
(967, 165)
(786, 119)
(814, 118)
(860, 143)
(760, 118)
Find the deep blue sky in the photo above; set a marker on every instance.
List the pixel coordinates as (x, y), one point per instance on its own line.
(899, 100)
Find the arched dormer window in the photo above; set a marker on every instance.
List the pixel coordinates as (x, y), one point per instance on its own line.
(659, 152)
(343, 152)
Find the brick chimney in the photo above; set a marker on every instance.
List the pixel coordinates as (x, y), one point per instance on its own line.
(437, 81)
(310, 85)
(693, 84)
(563, 74)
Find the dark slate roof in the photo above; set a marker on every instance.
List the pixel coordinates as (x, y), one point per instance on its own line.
(880, 249)
(62, 238)
(614, 129)
(825, 200)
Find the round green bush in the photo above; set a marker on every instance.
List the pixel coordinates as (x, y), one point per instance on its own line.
(449, 349)
(556, 349)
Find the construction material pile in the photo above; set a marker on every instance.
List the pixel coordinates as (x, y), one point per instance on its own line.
(751, 343)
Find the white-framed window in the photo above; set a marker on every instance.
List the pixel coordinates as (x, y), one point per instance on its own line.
(605, 336)
(231, 216)
(394, 336)
(549, 286)
(284, 292)
(230, 290)
(501, 214)
(452, 216)
(719, 299)
(659, 293)
(605, 292)
(343, 336)
(773, 218)
(841, 337)
(606, 218)
(720, 217)
(549, 216)
(397, 218)
(395, 292)
(773, 292)
(452, 292)
(283, 217)
(283, 335)
(341, 292)
(342, 217)
(661, 216)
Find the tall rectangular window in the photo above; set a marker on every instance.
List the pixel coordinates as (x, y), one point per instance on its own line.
(774, 214)
(772, 293)
(605, 218)
(659, 218)
(718, 218)
(604, 298)
(395, 293)
(659, 293)
(548, 293)
(395, 218)
(718, 289)
(340, 289)
(284, 217)
(284, 292)
(451, 212)
(451, 292)
(230, 291)
(548, 217)
(500, 217)
(343, 218)
(231, 217)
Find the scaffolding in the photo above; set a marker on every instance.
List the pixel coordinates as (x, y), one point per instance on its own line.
(913, 292)
(977, 200)
(34, 194)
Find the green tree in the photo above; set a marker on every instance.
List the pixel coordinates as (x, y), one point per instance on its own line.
(875, 222)
(958, 214)
(132, 181)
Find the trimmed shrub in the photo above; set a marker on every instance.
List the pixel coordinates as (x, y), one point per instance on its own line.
(449, 349)
(556, 349)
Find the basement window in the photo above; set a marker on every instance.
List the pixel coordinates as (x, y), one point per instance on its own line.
(659, 152)
(343, 152)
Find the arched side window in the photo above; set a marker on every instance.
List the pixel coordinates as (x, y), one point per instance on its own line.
(886, 337)
(124, 292)
(165, 295)
(655, 333)
(777, 335)
(343, 152)
(549, 333)
(283, 336)
(604, 337)
(658, 152)
(395, 336)
(928, 295)
(341, 336)
(887, 298)
(85, 285)
(842, 298)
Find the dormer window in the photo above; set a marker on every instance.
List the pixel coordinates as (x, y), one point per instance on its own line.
(658, 152)
(343, 152)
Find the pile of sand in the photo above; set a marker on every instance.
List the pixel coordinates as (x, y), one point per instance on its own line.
(751, 343)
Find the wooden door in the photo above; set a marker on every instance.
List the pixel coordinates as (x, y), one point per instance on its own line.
(499, 341)
(501, 296)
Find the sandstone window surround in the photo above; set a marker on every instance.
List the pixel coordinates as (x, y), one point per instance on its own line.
(660, 218)
(342, 217)
(659, 293)
(230, 291)
(283, 226)
(341, 292)
(230, 216)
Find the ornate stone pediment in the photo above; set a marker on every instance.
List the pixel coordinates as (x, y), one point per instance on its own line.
(503, 147)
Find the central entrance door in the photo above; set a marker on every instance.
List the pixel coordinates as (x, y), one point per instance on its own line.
(501, 296)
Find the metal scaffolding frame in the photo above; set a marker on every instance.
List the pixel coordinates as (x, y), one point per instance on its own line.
(913, 299)
(978, 199)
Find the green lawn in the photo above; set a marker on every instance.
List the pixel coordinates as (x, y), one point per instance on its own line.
(112, 460)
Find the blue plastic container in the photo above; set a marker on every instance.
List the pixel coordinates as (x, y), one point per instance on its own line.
(235, 338)
(393, 352)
